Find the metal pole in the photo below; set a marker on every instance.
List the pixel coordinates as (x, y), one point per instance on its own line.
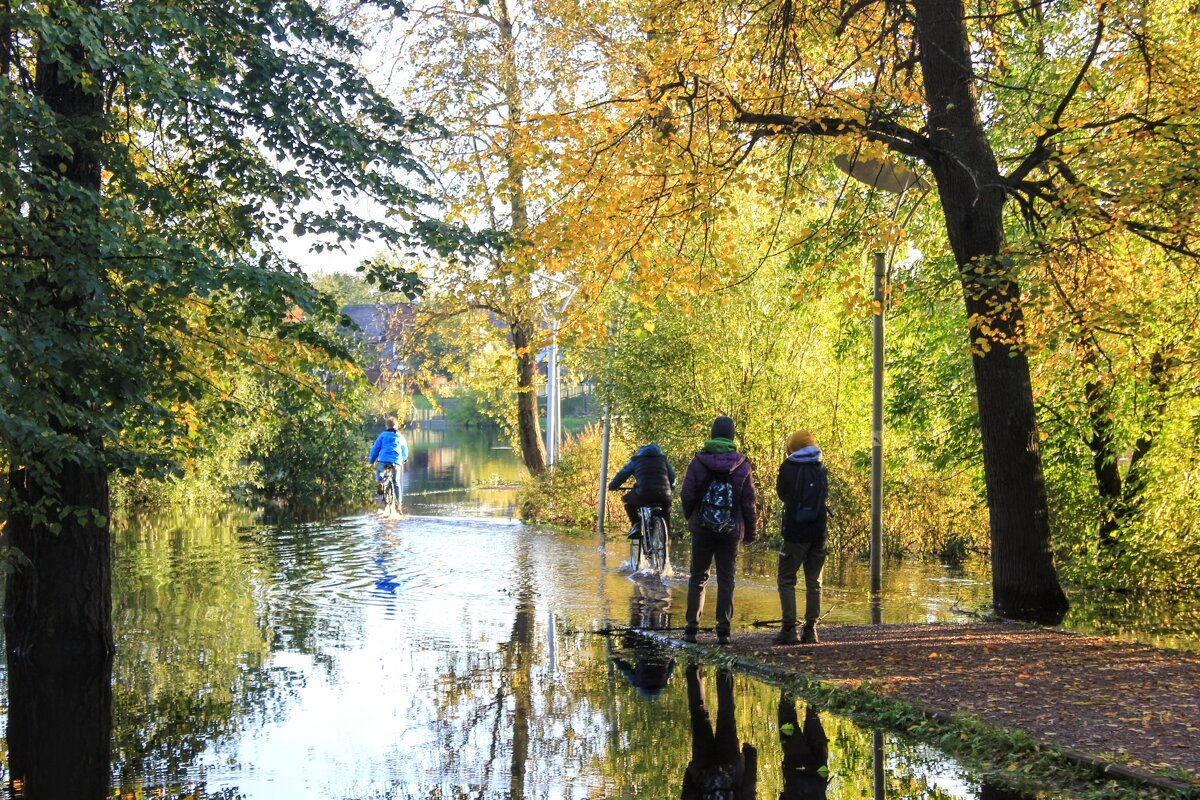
(557, 408)
(602, 506)
(552, 403)
(877, 438)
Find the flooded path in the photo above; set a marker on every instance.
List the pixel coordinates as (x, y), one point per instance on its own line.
(453, 654)
(433, 657)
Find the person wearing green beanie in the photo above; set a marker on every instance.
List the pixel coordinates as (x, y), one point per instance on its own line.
(720, 465)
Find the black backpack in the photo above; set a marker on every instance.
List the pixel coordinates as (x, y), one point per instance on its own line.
(716, 506)
(808, 497)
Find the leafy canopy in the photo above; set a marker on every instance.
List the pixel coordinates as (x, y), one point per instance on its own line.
(217, 130)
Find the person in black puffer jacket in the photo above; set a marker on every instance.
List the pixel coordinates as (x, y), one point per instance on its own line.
(653, 481)
(803, 486)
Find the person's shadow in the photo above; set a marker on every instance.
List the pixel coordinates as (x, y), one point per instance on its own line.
(805, 752)
(722, 768)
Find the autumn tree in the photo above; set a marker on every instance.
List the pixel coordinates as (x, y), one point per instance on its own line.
(153, 152)
(472, 78)
(1014, 112)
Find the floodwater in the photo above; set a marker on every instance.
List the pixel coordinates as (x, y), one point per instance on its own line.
(451, 653)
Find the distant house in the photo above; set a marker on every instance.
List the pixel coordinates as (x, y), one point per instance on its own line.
(381, 327)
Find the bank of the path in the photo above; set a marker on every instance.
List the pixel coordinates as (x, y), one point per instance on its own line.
(1129, 709)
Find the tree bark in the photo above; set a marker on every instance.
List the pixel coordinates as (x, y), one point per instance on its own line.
(58, 602)
(60, 726)
(1024, 582)
(529, 435)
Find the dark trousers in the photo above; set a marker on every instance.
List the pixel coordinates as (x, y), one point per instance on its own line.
(705, 548)
(719, 745)
(633, 501)
(794, 557)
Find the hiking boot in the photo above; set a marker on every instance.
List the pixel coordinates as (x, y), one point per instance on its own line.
(723, 638)
(809, 634)
(689, 636)
(787, 636)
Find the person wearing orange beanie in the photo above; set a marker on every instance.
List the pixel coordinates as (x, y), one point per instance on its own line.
(803, 486)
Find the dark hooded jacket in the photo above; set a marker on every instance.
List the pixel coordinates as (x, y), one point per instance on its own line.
(653, 475)
(804, 465)
(695, 482)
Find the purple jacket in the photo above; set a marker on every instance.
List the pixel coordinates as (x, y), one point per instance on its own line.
(695, 481)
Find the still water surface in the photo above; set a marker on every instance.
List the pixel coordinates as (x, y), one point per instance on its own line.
(453, 654)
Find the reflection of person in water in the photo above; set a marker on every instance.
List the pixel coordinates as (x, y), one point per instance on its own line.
(651, 668)
(721, 767)
(805, 753)
(644, 664)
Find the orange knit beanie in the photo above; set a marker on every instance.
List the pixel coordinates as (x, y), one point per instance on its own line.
(798, 440)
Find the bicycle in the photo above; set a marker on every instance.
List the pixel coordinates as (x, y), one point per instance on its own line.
(391, 490)
(652, 539)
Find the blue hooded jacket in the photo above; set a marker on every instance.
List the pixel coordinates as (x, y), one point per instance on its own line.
(389, 448)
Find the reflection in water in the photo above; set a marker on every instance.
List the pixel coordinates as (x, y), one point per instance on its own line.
(59, 726)
(439, 656)
(878, 765)
(644, 663)
(722, 766)
(461, 472)
(805, 752)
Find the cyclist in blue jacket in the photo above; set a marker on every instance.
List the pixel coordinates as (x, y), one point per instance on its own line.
(390, 449)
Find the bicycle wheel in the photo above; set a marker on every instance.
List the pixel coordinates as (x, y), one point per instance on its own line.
(390, 504)
(654, 543)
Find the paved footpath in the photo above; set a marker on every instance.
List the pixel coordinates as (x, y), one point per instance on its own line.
(1098, 698)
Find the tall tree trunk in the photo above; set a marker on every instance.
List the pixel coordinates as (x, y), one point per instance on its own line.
(60, 726)
(59, 601)
(1024, 582)
(533, 449)
(529, 435)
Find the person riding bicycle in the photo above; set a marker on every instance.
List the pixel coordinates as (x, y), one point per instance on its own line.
(390, 450)
(653, 482)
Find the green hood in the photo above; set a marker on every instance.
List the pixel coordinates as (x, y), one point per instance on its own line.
(718, 445)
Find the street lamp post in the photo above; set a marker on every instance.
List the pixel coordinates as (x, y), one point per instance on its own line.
(553, 387)
(895, 179)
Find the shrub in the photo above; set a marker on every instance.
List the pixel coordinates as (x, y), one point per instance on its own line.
(568, 494)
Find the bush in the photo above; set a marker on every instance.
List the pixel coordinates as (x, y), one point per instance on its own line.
(568, 494)
(276, 443)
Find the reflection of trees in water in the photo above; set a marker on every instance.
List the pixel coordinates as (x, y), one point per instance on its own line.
(907, 770)
(513, 721)
(460, 458)
(196, 627)
(489, 696)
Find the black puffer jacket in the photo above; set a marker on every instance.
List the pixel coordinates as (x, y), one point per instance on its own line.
(653, 475)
